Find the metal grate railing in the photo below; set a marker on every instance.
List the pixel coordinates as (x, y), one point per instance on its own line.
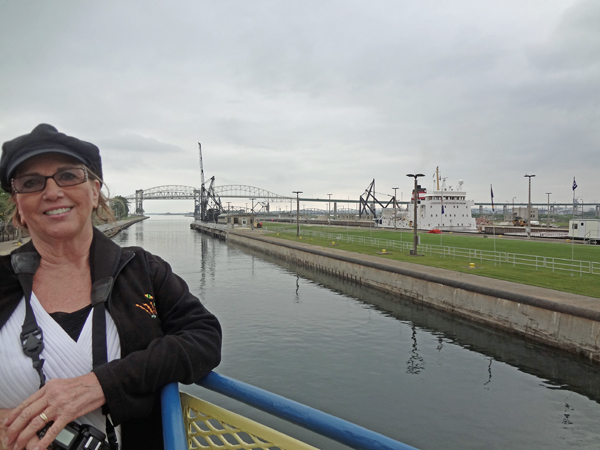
(514, 259)
(211, 427)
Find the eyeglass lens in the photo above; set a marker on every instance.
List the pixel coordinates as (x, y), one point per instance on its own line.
(36, 182)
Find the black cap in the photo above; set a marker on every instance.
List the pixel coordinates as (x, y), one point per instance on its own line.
(45, 139)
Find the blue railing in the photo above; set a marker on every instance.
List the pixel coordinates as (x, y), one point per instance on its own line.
(174, 435)
(347, 433)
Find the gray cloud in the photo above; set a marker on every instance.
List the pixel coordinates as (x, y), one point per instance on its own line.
(316, 96)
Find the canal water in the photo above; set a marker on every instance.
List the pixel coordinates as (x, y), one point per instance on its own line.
(412, 373)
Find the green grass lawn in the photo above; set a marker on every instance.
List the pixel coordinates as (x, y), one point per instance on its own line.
(584, 284)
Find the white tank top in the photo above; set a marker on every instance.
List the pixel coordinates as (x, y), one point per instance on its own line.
(64, 358)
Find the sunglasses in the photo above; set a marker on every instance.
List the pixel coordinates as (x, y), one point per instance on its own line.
(28, 184)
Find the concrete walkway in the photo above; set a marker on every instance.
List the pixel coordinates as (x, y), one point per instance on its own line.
(8, 246)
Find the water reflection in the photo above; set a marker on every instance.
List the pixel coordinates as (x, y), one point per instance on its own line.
(440, 344)
(567, 415)
(490, 373)
(559, 369)
(415, 363)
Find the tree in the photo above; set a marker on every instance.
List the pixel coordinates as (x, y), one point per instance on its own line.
(5, 210)
(120, 207)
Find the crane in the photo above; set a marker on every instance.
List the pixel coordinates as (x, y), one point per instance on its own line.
(206, 195)
(203, 199)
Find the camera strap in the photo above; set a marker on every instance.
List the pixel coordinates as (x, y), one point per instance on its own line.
(32, 339)
(101, 289)
(25, 265)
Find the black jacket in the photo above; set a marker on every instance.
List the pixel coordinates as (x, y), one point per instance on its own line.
(166, 334)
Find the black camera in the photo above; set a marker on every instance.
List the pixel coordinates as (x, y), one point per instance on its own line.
(76, 437)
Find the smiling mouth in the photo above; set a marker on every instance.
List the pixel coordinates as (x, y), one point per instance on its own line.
(57, 211)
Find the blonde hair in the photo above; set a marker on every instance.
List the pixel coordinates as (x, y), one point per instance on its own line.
(101, 213)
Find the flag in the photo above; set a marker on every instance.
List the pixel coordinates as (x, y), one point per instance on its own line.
(574, 184)
(492, 192)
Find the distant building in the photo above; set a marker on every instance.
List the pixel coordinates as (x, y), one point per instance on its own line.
(354, 216)
(521, 211)
(237, 220)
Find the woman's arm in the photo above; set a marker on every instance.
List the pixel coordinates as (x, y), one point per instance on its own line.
(187, 348)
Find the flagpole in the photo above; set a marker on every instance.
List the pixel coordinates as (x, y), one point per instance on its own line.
(573, 224)
(494, 228)
(574, 187)
(437, 185)
(493, 220)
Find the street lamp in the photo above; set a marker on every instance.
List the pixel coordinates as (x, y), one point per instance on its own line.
(528, 228)
(415, 198)
(297, 212)
(329, 210)
(395, 204)
(548, 212)
(252, 214)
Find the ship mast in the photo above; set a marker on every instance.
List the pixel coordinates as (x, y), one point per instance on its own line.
(437, 177)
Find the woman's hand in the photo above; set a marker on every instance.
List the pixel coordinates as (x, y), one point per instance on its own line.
(60, 400)
(3, 416)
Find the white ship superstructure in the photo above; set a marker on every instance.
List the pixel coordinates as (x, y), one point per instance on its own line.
(444, 208)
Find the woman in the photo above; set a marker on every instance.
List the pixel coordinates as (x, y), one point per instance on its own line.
(116, 323)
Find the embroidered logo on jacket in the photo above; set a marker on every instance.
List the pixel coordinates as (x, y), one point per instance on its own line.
(149, 307)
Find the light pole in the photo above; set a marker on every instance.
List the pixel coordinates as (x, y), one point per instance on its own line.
(528, 228)
(395, 205)
(548, 212)
(329, 210)
(252, 214)
(415, 198)
(297, 212)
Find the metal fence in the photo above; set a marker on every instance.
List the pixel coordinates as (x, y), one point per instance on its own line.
(514, 259)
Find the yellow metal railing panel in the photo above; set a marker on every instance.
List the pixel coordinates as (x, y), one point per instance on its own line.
(211, 427)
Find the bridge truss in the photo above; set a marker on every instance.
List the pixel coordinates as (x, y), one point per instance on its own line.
(178, 192)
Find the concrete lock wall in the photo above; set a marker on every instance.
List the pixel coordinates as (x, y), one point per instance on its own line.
(565, 326)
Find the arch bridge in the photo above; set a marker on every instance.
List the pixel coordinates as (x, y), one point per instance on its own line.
(179, 192)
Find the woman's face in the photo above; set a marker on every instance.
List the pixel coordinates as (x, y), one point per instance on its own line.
(56, 212)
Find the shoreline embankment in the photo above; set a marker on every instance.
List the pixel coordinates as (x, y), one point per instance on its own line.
(109, 229)
(562, 320)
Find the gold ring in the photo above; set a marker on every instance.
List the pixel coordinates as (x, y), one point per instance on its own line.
(43, 417)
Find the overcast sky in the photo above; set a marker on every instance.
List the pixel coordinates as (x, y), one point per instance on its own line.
(317, 96)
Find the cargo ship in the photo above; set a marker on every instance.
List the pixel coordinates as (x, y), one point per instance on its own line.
(445, 208)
